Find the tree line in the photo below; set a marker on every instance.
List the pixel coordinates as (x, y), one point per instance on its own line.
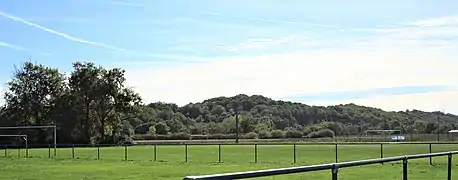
(92, 104)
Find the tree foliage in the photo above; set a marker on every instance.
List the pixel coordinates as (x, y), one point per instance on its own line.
(90, 105)
(93, 105)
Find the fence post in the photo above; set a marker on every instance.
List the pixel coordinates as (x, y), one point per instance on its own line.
(449, 169)
(430, 158)
(155, 152)
(255, 153)
(125, 152)
(335, 171)
(404, 168)
(98, 151)
(381, 150)
(49, 150)
(186, 152)
(26, 150)
(219, 153)
(73, 151)
(294, 151)
(336, 153)
(19, 152)
(6, 150)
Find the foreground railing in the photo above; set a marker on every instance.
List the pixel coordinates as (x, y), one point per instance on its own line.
(334, 167)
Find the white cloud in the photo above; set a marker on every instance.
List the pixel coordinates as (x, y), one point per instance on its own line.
(440, 21)
(281, 75)
(435, 31)
(269, 20)
(267, 43)
(420, 32)
(397, 56)
(435, 101)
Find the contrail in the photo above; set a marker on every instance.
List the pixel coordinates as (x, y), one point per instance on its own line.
(93, 43)
(269, 20)
(8, 45)
(120, 3)
(20, 48)
(61, 34)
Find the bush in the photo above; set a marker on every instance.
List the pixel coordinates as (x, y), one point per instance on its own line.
(152, 130)
(143, 137)
(264, 135)
(293, 134)
(160, 137)
(251, 135)
(200, 137)
(307, 131)
(231, 136)
(313, 135)
(324, 133)
(278, 134)
(217, 136)
(179, 136)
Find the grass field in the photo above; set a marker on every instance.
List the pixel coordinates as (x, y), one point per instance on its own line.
(204, 159)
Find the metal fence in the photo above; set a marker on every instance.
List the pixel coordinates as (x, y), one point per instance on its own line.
(409, 137)
(335, 152)
(333, 167)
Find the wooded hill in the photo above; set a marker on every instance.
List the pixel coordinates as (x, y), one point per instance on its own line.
(93, 105)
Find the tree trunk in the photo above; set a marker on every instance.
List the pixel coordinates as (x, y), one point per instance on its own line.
(86, 123)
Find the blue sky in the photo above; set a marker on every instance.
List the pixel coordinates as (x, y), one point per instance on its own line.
(394, 55)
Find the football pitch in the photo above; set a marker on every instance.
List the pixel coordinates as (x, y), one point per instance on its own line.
(177, 161)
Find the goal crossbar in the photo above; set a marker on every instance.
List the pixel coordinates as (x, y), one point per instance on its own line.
(10, 135)
(27, 127)
(19, 135)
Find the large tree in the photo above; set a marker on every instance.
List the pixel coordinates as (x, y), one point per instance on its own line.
(31, 96)
(103, 99)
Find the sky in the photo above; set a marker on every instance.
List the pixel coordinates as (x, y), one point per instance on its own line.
(393, 55)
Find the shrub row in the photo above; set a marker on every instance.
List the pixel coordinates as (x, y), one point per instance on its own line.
(275, 134)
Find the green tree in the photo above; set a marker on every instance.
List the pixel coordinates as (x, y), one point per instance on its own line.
(31, 95)
(152, 130)
(162, 128)
(103, 98)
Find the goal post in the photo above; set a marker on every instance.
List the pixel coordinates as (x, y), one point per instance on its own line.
(35, 127)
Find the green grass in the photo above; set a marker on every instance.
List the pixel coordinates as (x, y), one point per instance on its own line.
(203, 159)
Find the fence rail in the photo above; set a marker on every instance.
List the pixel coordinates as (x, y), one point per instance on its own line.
(334, 167)
(230, 138)
(290, 152)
